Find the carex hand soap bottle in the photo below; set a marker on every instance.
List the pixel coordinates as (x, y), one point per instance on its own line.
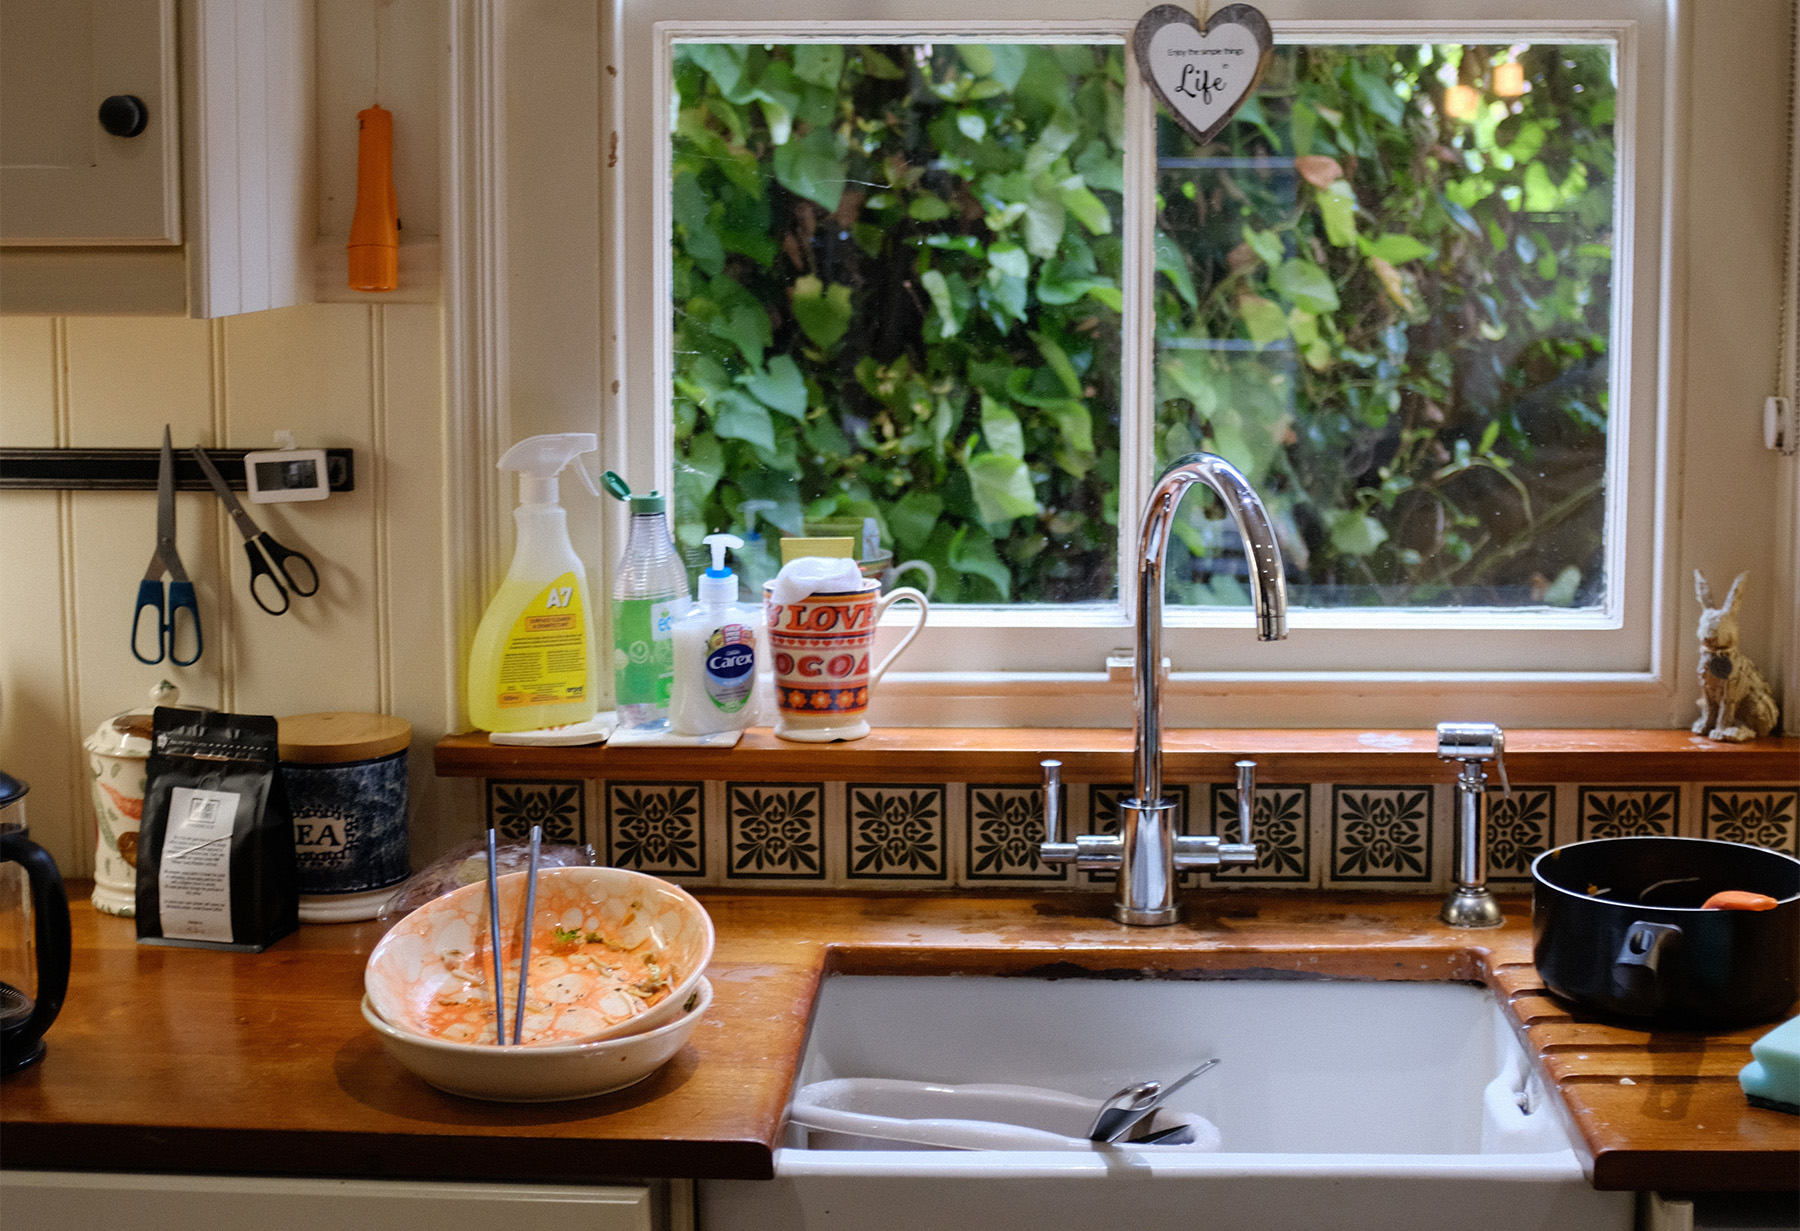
(533, 663)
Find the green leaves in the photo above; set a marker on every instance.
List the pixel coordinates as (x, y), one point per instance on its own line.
(1001, 428)
(938, 287)
(822, 312)
(1305, 285)
(738, 417)
(1001, 486)
(819, 64)
(781, 387)
(1337, 206)
(812, 167)
(1355, 533)
(1397, 249)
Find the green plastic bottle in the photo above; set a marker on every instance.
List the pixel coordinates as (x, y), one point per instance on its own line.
(650, 593)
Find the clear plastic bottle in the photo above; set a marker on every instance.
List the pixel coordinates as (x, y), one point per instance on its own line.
(650, 592)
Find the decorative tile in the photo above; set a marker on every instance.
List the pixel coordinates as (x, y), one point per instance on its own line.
(1381, 833)
(559, 805)
(1004, 825)
(1281, 825)
(1103, 817)
(895, 831)
(1628, 812)
(1519, 830)
(777, 831)
(1759, 815)
(657, 827)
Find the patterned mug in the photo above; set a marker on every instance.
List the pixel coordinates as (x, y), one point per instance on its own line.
(821, 647)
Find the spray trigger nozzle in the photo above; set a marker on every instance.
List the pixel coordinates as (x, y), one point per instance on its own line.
(587, 480)
(718, 544)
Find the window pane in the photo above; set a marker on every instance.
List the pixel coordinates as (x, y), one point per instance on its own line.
(1385, 292)
(896, 295)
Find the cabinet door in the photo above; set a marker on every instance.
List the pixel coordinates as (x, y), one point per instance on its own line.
(75, 1201)
(63, 178)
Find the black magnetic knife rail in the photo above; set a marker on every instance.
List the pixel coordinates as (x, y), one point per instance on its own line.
(134, 470)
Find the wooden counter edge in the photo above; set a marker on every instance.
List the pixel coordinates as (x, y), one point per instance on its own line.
(1008, 754)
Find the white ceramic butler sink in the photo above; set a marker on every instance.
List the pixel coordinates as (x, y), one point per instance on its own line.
(1339, 1104)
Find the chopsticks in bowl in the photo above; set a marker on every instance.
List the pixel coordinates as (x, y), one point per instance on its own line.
(531, 880)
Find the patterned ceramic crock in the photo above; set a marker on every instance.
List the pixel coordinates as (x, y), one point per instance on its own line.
(118, 759)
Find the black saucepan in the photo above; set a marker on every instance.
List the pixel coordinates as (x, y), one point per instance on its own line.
(1616, 926)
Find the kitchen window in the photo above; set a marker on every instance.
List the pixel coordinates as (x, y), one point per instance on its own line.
(1235, 233)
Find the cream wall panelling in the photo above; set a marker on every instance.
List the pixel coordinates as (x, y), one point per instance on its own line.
(374, 638)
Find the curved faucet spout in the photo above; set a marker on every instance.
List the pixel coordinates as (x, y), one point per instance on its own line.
(1268, 589)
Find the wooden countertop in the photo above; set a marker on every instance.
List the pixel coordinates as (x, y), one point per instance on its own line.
(187, 1060)
(1098, 754)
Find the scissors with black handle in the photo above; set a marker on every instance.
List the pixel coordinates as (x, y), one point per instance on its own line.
(166, 609)
(267, 557)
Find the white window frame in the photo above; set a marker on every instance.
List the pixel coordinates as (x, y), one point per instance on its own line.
(1619, 666)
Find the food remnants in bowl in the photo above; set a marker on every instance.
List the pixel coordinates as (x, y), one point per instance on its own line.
(612, 952)
(583, 980)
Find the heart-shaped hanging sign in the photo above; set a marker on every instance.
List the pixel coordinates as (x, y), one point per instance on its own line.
(1203, 75)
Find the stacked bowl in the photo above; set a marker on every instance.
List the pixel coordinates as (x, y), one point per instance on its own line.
(615, 986)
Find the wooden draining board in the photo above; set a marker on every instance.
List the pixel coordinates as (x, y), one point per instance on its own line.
(1011, 754)
(185, 1060)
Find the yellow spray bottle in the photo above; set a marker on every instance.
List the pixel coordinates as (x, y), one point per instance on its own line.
(533, 664)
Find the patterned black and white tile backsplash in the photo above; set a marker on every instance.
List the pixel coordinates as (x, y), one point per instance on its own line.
(657, 827)
(1759, 815)
(925, 835)
(559, 805)
(896, 832)
(1003, 826)
(1281, 827)
(1520, 828)
(1381, 833)
(776, 831)
(1629, 812)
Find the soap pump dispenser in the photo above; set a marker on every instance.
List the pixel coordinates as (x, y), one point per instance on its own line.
(717, 650)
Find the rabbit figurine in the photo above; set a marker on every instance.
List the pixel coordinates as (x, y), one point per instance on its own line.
(1736, 704)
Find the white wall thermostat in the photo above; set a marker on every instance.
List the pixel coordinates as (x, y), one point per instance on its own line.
(279, 475)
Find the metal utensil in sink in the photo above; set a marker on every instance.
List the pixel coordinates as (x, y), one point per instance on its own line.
(1128, 1108)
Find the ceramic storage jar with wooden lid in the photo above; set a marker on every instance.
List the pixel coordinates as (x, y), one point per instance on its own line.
(346, 782)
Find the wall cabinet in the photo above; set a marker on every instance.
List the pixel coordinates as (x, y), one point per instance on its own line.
(208, 209)
(64, 178)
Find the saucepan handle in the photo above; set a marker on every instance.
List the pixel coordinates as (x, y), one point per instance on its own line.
(881, 605)
(1638, 985)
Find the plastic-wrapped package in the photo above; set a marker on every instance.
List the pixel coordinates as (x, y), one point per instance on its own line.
(466, 864)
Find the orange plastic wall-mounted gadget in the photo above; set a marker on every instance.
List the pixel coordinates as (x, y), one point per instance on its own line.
(375, 231)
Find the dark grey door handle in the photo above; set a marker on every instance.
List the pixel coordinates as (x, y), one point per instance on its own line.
(124, 115)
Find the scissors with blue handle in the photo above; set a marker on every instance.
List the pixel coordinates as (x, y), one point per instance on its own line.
(166, 609)
(267, 557)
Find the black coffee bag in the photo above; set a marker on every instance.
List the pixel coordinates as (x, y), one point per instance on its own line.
(216, 848)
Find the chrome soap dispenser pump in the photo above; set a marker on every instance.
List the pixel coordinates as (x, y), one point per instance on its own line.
(1470, 905)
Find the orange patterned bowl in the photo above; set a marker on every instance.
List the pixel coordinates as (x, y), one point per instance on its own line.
(613, 953)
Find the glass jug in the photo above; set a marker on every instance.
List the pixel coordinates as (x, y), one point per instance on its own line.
(34, 935)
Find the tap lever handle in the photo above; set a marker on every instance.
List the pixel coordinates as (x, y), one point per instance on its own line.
(1246, 799)
(1052, 802)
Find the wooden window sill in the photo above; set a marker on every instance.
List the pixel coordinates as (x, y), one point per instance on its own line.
(1011, 754)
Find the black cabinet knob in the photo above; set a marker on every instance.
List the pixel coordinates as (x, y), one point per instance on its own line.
(124, 115)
